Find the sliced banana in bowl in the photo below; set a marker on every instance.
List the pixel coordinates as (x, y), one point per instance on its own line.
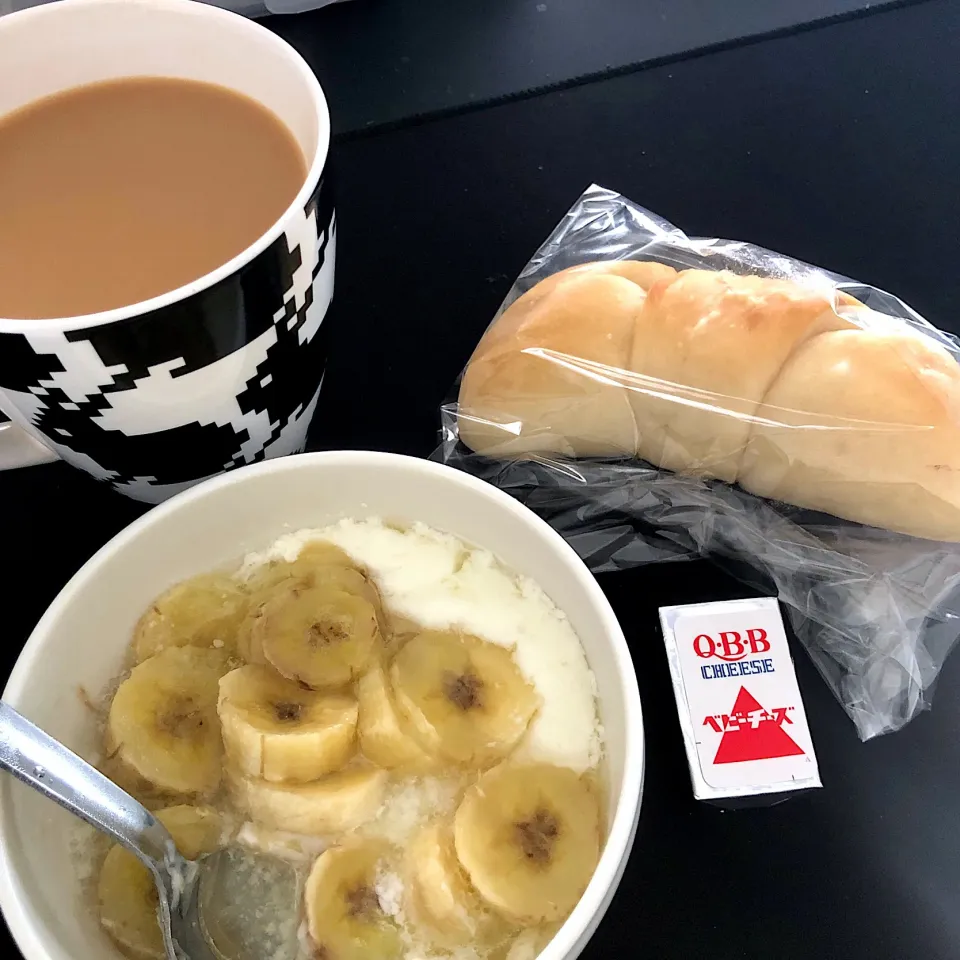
(528, 837)
(318, 563)
(439, 895)
(329, 563)
(346, 919)
(464, 698)
(329, 807)
(274, 729)
(204, 611)
(315, 632)
(162, 726)
(384, 735)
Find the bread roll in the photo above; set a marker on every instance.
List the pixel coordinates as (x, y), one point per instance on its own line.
(798, 394)
(864, 424)
(546, 377)
(709, 346)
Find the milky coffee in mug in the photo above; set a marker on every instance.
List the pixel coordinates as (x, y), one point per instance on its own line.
(148, 172)
(167, 242)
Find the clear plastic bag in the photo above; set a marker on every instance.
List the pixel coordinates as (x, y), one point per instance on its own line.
(878, 611)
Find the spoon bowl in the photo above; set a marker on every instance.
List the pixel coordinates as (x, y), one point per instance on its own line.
(200, 911)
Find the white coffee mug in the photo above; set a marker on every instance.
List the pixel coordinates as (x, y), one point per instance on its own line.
(156, 396)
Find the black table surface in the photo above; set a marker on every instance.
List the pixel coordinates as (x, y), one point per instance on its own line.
(384, 61)
(838, 145)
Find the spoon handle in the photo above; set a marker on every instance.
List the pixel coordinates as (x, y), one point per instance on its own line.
(49, 767)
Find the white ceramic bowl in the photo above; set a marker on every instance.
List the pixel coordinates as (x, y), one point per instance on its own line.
(82, 637)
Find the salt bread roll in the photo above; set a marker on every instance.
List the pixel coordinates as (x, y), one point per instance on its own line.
(708, 346)
(547, 376)
(864, 424)
(798, 394)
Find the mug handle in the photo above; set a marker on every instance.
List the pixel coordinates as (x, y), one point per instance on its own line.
(19, 449)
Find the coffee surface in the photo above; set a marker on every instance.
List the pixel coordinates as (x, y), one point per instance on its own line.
(119, 191)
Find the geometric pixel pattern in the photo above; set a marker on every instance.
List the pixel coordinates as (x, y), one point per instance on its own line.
(155, 403)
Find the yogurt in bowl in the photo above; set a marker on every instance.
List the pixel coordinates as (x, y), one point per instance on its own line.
(447, 553)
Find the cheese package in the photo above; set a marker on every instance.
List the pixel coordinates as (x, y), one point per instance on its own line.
(742, 717)
(658, 396)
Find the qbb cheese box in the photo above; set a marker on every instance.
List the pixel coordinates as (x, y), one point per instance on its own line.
(743, 722)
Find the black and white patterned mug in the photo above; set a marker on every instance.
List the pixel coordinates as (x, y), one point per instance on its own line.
(154, 397)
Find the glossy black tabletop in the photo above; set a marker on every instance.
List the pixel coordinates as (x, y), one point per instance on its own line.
(839, 145)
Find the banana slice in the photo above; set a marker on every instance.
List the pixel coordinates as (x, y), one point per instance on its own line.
(321, 553)
(318, 562)
(204, 611)
(528, 837)
(195, 830)
(314, 632)
(249, 650)
(126, 892)
(332, 806)
(276, 730)
(314, 555)
(464, 698)
(383, 738)
(260, 585)
(329, 564)
(345, 917)
(163, 720)
(440, 896)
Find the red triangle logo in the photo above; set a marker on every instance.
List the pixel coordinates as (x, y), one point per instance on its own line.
(753, 733)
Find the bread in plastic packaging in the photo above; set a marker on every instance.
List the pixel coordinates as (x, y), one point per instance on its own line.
(654, 396)
(797, 394)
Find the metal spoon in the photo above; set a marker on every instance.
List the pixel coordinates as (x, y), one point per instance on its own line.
(49, 767)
